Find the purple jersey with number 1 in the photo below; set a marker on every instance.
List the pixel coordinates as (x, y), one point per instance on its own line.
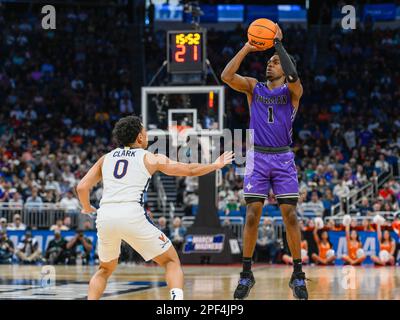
(271, 118)
(272, 115)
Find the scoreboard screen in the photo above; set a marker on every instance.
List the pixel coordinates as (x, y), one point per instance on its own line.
(186, 51)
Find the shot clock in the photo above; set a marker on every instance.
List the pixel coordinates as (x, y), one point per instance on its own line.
(186, 51)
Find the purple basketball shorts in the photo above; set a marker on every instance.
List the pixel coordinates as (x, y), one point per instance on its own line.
(265, 171)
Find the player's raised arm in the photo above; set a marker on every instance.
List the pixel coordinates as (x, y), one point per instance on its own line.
(294, 84)
(91, 178)
(159, 162)
(234, 80)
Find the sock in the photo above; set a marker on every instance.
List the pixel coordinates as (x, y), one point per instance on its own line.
(297, 265)
(246, 264)
(176, 294)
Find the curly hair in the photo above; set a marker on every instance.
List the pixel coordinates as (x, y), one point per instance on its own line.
(126, 130)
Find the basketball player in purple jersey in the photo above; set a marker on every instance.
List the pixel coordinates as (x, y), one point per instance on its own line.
(270, 163)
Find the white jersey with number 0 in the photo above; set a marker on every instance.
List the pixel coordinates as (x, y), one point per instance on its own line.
(125, 177)
(121, 215)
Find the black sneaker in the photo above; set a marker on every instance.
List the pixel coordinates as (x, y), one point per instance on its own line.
(246, 282)
(298, 285)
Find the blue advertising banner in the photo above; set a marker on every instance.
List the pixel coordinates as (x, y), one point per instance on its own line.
(380, 12)
(230, 13)
(292, 13)
(256, 12)
(44, 237)
(369, 240)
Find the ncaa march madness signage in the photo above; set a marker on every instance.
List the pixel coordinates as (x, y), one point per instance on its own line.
(203, 243)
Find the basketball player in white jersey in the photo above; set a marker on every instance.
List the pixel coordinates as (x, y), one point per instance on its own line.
(126, 174)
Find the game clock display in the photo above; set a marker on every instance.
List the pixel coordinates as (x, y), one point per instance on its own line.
(186, 51)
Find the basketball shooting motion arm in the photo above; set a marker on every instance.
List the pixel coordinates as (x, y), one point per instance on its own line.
(159, 162)
(91, 178)
(294, 84)
(234, 80)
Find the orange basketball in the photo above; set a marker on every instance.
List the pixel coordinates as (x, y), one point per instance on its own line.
(261, 33)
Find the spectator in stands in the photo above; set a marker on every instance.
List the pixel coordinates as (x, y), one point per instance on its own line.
(355, 254)
(56, 251)
(341, 189)
(315, 205)
(267, 242)
(162, 225)
(28, 250)
(79, 249)
(70, 203)
(177, 233)
(68, 177)
(364, 207)
(126, 106)
(326, 254)
(381, 164)
(34, 200)
(190, 200)
(3, 224)
(386, 191)
(233, 204)
(377, 206)
(59, 226)
(17, 223)
(6, 248)
(394, 186)
(16, 201)
(230, 177)
(329, 200)
(222, 201)
(192, 184)
(67, 222)
(51, 196)
(51, 184)
(361, 176)
(387, 247)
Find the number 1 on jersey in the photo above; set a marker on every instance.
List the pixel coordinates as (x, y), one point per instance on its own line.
(270, 114)
(118, 175)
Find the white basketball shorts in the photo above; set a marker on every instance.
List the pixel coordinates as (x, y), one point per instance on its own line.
(128, 222)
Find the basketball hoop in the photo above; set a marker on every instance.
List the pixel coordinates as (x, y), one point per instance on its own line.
(179, 133)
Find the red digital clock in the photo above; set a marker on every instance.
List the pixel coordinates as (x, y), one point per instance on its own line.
(186, 51)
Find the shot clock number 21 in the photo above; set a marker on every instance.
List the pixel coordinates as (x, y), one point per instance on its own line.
(186, 51)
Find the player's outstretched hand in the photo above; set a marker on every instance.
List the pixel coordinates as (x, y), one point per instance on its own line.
(278, 34)
(226, 158)
(251, 48)
(88, 210)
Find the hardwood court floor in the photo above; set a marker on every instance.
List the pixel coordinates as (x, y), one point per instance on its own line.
(202, 282)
